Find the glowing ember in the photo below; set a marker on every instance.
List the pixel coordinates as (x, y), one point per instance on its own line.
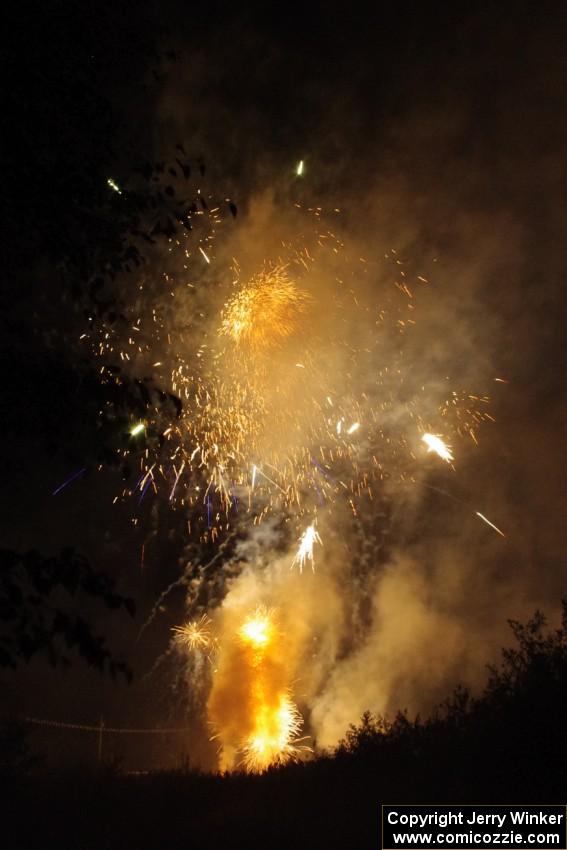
(114, 186)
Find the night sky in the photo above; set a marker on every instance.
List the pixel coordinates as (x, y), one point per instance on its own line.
(439, 133)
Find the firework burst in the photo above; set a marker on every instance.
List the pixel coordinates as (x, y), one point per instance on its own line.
(291, 372)
(266, 311)
(194, 635)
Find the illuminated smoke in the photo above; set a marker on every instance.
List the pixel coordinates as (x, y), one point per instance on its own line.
(291, 372)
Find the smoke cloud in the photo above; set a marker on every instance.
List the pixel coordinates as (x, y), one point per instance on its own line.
(444, 181)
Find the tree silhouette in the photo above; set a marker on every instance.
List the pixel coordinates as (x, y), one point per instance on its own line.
(510, 738)
(34, 617)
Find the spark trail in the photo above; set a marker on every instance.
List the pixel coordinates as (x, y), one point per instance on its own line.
(305, 550)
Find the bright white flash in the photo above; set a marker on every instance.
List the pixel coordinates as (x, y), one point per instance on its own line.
(437, 445)
(305, 549)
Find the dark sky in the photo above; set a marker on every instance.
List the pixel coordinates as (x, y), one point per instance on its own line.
(444, 129)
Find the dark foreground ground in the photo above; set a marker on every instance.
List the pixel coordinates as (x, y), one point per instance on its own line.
(330, 804)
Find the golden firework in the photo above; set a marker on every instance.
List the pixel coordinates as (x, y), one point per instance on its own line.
(194, 635)
(265, 311)
(275, 721)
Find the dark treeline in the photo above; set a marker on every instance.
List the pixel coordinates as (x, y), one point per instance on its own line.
(506, 745)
